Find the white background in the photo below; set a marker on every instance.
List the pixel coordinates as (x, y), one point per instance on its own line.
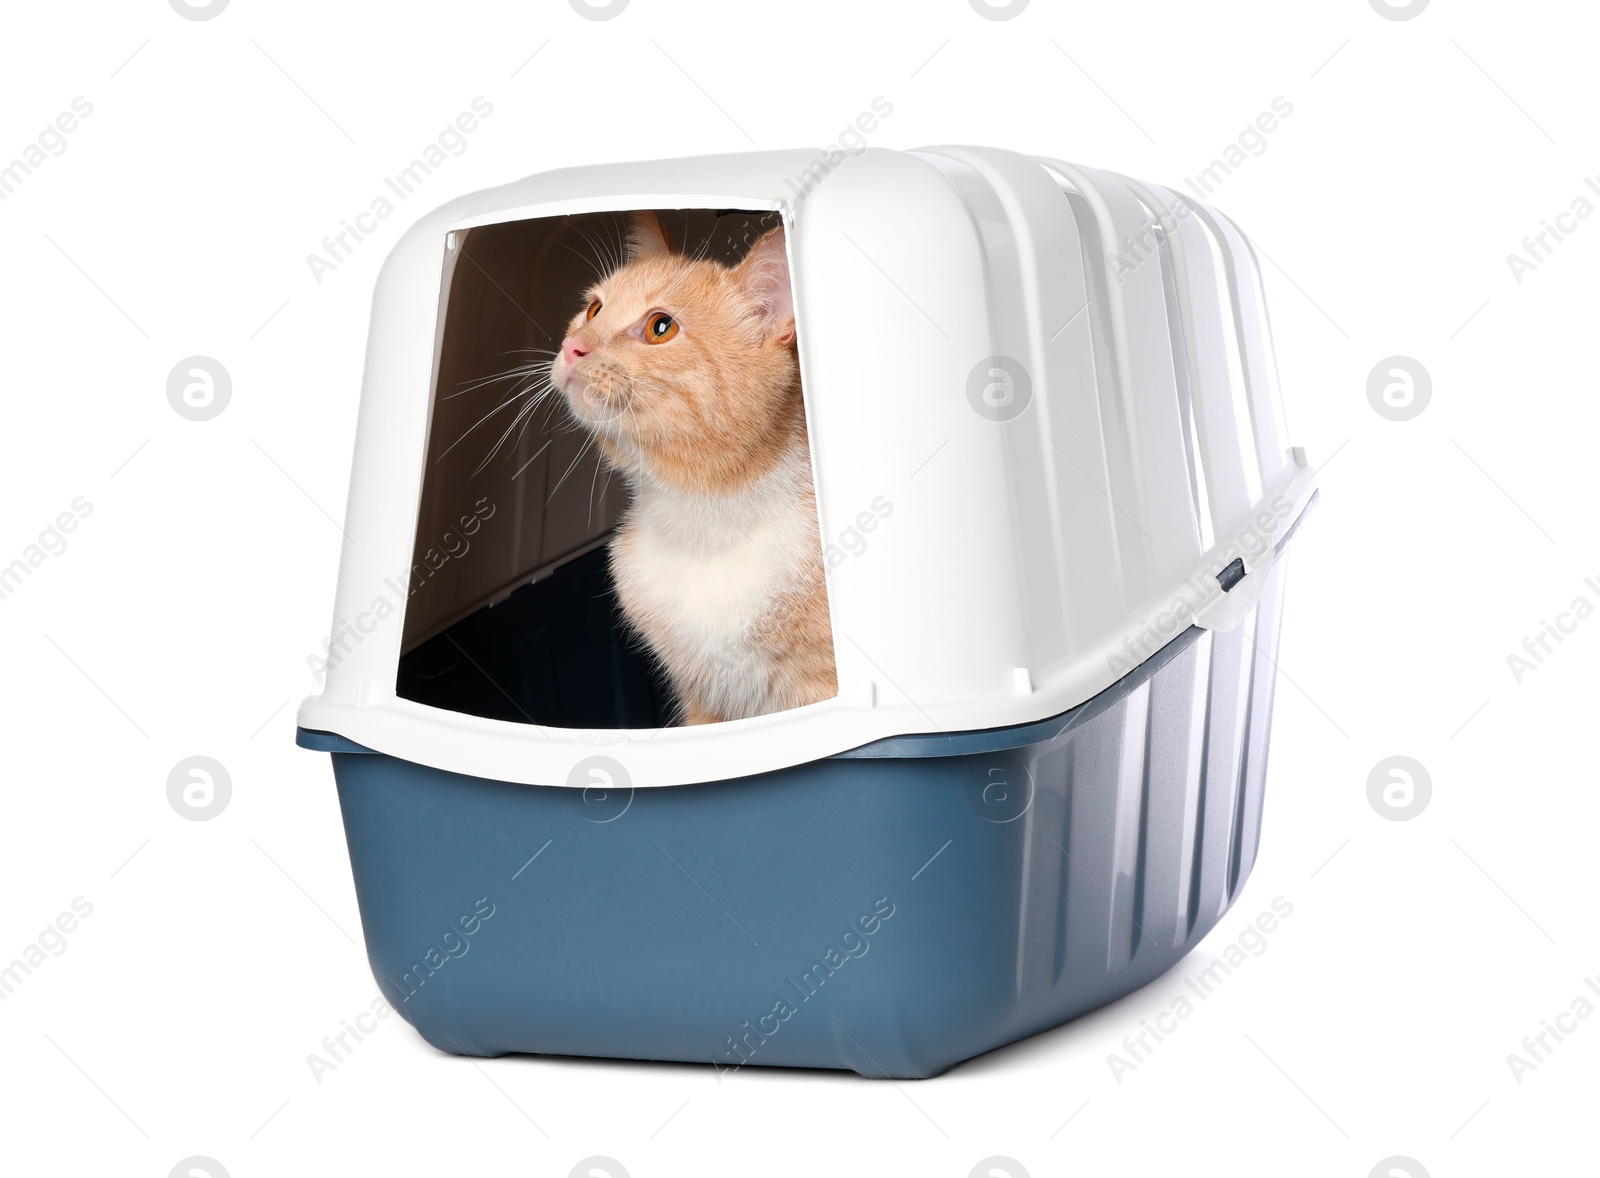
(219, 954)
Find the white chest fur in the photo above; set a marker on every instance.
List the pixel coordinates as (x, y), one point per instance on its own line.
(703, 576)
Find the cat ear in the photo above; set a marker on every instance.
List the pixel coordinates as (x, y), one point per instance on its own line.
(646, 237)
(763, 275)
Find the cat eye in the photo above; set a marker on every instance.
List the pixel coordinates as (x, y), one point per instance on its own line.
(594, 309)
(659, 328)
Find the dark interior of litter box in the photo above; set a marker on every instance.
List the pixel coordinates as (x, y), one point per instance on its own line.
(510, 610)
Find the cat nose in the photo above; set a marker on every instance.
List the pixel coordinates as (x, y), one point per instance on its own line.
(572, 351)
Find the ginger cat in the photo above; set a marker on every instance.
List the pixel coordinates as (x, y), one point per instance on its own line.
(686, 373)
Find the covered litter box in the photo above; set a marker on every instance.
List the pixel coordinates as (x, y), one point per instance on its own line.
(1054, 490)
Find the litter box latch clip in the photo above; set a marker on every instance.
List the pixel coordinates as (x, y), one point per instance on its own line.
(1240, 589)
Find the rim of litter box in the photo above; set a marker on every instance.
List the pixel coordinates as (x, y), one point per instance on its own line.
(916, 744)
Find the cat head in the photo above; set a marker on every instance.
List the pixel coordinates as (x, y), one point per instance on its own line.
(683, 368)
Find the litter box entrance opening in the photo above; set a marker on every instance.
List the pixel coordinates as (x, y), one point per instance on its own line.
(511, 612)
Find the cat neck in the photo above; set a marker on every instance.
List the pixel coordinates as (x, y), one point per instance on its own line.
(712, 519)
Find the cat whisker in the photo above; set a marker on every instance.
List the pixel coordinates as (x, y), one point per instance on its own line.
(595, 243)
(611, 259)
(617, 225)
(521, 413)
(702, 250)
(588, 521)
(521, 370)
(538, 400)
(620, 249)
(503, 404)
(584, 449)
(537, 390)
(591, 262)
